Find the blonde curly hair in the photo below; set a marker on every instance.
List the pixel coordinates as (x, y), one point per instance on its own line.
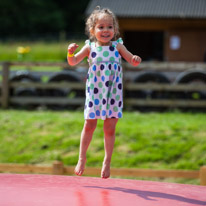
(92, 19)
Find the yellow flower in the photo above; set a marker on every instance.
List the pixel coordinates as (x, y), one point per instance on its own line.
(23, 50)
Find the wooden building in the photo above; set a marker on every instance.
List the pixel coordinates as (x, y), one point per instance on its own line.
(161, 30)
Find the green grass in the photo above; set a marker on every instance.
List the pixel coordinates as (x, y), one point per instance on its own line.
(151, 140)
(40, 50)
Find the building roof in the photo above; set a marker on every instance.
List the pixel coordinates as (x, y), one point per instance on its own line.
(153, 8)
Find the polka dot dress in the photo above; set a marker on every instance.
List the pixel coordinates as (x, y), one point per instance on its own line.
(104, 82)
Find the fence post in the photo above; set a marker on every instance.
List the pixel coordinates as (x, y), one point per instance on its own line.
(5, 85)
(203, 175)
(58, 168)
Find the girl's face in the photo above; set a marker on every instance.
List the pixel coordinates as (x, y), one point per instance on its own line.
(104, 30)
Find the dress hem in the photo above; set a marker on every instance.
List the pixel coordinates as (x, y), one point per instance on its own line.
(103, 119)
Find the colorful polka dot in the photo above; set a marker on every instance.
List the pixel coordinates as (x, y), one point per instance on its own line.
(116, 53)
(100, 96)
(99, 59)
(117, 97)
(104, 112)
(98, 113)
(107, 72)
(92, 115)
(91, 86)
(94, 68)
(98, 73)
(90, 104)
(115, 109)
(91, 75)
(99, 48)
(107, 83)
(110, 112)
(112, 59)
(111, 48)
(94, 54)
(96, 101)
(96, 90)
(102, 66)
(105, 53)
(112, 101)
(100, 84)
(114, 91)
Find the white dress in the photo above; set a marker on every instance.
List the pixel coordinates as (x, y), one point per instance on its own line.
(104, 96)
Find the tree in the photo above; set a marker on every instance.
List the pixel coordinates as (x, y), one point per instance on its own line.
(31, 17)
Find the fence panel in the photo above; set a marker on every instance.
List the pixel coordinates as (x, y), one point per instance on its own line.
(58, 168)
(172, 102)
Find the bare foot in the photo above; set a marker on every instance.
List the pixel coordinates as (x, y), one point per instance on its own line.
(105, 173)
(79, 169)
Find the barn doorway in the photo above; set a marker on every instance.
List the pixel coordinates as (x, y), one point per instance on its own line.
(149, 45)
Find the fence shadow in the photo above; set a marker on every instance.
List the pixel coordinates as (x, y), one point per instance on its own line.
(150, 195)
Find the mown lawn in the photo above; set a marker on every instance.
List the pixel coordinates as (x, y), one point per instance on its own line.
(39, 50)
(170, 140)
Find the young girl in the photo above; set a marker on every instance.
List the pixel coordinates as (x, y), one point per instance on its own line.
(104, 82)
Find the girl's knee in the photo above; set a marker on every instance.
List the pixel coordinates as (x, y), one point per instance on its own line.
(110, 126)
(109, 131)
(90, 125)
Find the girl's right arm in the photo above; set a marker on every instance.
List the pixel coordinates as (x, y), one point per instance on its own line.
(75, 59)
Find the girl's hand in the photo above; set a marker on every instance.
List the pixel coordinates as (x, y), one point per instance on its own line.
(136, 60)
(72, 47)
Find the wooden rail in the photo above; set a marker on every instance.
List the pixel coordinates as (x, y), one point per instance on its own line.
(171, 102)
(155, 66)
(59, 169)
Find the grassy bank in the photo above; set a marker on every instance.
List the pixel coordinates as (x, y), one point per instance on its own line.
(152, 140)
(39, 50)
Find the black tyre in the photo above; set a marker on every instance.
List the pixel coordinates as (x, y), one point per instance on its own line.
(67, 92)
(150, 77)
(195, 78)
(24, 76)
(24, 92)
(153, 77)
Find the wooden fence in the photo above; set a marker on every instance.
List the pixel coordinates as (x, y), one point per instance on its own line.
(6, 99)
(59, 169)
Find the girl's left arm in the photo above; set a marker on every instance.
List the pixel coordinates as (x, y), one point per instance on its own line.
(134, 60)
